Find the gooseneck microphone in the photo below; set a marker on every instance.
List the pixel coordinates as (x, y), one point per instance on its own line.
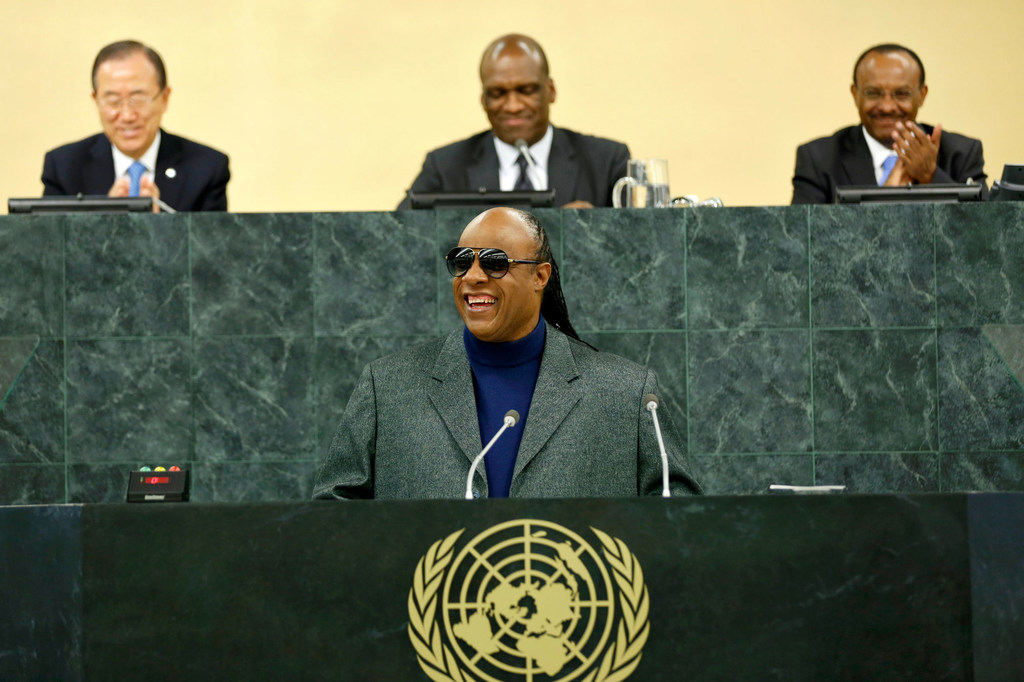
(650, 402)
(511, 419)
(524, 149)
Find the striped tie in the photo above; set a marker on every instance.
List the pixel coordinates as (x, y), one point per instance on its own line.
(135, 172)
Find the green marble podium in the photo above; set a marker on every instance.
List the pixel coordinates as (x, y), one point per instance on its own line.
(877, 347)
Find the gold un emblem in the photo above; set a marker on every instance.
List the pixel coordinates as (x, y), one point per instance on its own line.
(528, 600)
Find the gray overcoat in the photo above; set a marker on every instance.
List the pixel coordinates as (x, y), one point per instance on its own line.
(410, 429)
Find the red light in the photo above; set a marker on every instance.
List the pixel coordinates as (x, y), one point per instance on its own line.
(153, 480)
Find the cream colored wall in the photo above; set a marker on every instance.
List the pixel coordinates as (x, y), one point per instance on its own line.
(326, 105)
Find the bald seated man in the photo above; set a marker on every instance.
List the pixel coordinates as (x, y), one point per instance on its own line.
(517, 92)
(418, 418)
(134, 156)
(889, 147)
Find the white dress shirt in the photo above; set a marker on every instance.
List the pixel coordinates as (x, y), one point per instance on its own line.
(879, 153)
(122, 161)
(508, 171)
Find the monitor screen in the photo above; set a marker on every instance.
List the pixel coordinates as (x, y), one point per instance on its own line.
(81, 204)
(903, 194)
(482, 200)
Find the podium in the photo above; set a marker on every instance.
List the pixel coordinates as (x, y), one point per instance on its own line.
(921, 587)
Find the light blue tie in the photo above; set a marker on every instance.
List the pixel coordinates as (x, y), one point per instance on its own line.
(135, 172)
(887, 167)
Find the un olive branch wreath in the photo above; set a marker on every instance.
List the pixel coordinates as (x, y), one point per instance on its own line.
(438, 661)
(623, 657)
(434, 657)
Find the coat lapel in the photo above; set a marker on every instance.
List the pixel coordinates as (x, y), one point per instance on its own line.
(554, 397)
(98, 172)
(453, 396)
(168, 158)
(482, 171)
(563, 167)
(857, 163)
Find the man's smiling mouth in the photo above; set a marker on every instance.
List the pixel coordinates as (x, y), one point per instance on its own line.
(480, 302)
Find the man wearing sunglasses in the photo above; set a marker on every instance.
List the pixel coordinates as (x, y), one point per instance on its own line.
(517, 92)
(133, 156)
(418, 418)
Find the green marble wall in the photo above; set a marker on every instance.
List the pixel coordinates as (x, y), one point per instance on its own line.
(868, 346)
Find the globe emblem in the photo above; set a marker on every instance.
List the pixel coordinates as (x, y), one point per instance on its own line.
(529, 600)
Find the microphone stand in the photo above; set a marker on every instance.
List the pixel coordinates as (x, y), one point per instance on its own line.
(511, 417)
(651, 403)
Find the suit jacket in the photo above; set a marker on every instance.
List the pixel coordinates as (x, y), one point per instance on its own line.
(199, 182)
(410, 429)
(844, 159)
(580, 167)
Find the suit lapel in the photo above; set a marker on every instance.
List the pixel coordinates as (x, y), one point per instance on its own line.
(98, 172)
(857, 163)
(169, 157)
(453, 396)
(482, 171)
(554, 397)
(562, 169)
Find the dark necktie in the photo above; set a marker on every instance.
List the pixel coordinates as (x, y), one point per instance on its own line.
(523, 183)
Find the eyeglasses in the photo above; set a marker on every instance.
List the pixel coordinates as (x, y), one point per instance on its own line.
(901, 96)
(112, 105)
(494, 262)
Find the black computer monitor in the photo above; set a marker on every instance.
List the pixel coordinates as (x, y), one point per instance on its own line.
(81, 204)
(947, 193)
(482, 200)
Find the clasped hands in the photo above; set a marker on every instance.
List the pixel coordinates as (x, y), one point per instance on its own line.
(916, 154)
(147, 188)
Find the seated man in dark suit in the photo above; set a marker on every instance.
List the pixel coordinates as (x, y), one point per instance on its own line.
(889, 147)
(418, 418)
(517, 92)
(133, 156)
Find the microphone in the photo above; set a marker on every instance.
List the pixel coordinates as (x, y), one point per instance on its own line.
(511, 419)
(163, 206)
(650, 402)
(524, 149)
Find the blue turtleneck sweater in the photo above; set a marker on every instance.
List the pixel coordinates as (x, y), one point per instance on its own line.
(504, 376)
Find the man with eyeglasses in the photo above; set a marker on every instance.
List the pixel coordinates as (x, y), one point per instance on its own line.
(517, 92)
(889, 147)
(418, 418)
(133, 156)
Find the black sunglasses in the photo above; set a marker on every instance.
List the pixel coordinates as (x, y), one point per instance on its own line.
(494, 262)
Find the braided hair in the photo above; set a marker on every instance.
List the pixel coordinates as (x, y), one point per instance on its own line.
(552, 305)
